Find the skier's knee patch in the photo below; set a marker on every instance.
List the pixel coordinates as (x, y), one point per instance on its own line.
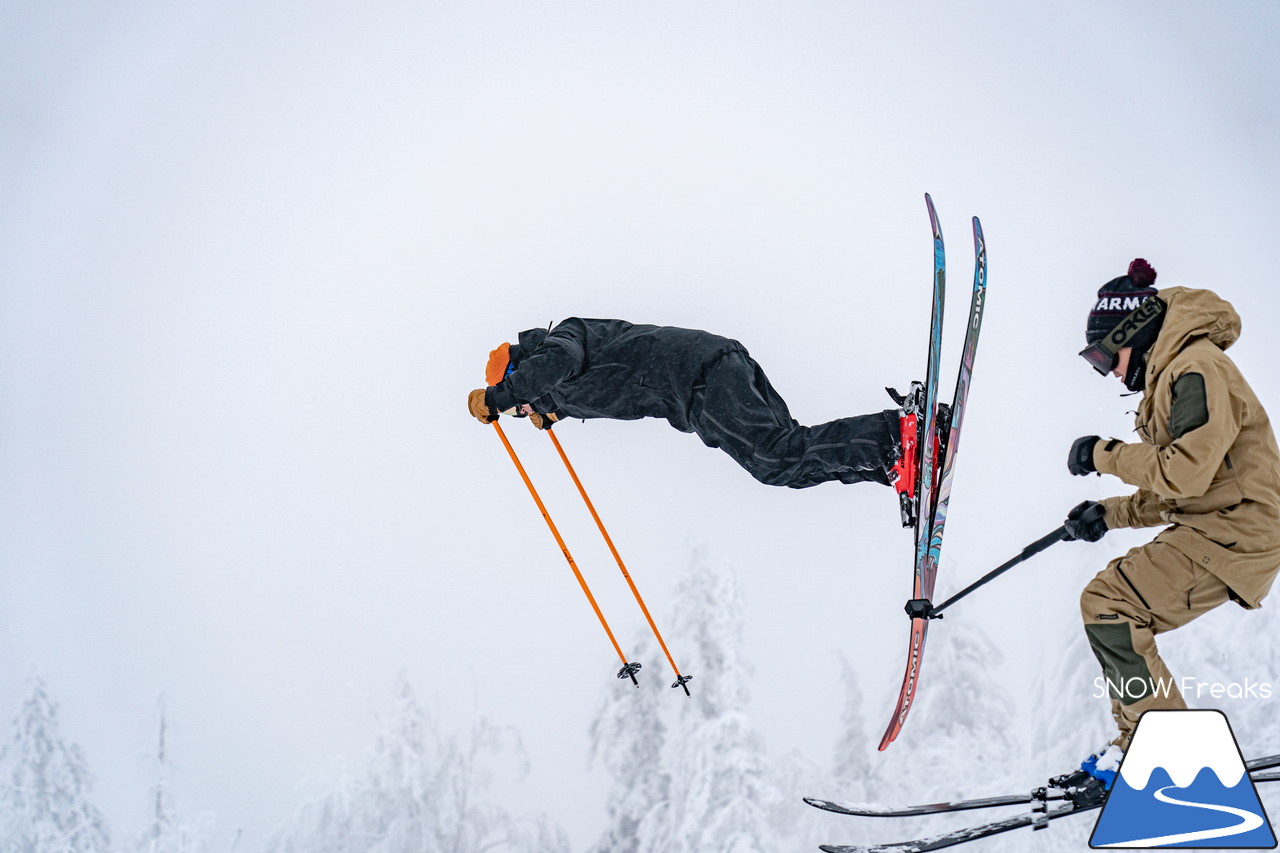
(1128, 678)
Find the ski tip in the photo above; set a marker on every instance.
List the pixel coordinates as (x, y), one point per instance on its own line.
(936, 225)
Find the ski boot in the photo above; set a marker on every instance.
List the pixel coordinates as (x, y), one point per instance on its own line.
(1104, 765)
(1089, 785)
(905, 474)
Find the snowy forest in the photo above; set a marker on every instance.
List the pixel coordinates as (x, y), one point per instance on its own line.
(686, 776)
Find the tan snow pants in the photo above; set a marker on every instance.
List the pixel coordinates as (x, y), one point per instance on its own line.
(1150, 590)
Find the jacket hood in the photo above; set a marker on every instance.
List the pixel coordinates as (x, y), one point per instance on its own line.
(1192, 314)
(530, 340)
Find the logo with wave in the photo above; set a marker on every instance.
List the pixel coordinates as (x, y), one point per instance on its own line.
(1183, 783)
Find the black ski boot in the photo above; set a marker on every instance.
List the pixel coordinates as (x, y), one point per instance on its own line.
(1080, 788)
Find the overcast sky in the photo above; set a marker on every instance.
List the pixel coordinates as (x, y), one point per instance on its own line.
(253, 256)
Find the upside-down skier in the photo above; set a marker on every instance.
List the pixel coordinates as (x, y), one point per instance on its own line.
(699, 382)
(1207, 469)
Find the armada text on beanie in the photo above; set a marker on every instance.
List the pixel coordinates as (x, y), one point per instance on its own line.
(1119, 297)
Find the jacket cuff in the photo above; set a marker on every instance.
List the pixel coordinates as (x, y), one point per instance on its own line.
(499, 399)
(1105, 455)
(1116, 512)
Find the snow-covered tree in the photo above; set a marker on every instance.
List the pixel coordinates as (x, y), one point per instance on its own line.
(627, 737)
(963, 717)
(44, 790)
(858, 776)
(1070, 714)
(420, 792)
(166, 830)
(964, 737)
(1220, 653)
(855, 774)
(723, 794)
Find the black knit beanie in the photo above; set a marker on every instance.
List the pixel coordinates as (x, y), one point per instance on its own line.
(1120, 296)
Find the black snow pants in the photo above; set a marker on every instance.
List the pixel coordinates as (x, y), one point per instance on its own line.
(735, 409)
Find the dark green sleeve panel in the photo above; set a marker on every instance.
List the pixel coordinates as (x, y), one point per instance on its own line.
(1190, 407)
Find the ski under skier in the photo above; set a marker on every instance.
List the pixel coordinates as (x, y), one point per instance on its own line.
(699, 382)
(1207, 469)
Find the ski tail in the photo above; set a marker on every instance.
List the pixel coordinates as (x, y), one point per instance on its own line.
(1033, 819)
(876, 810)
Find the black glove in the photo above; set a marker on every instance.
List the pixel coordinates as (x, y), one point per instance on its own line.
(1080, 461)
(1087, 522)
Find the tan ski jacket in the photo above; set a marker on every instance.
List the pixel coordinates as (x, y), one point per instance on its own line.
(1208, 463)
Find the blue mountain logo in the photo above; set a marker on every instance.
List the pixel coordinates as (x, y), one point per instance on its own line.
(1183, 783)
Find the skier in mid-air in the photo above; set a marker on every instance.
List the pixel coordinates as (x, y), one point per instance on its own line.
(1207, 468)
(698, 382)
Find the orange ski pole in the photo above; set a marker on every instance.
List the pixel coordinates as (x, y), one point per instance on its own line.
(628, 670)
(681, 680)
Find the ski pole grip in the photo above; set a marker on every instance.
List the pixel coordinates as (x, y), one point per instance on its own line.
(1040, 544)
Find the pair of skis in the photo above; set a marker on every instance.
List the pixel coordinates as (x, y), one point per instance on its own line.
(1070, 798)
(931, 438)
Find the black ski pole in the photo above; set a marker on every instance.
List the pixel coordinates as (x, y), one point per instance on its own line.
(1027, 553)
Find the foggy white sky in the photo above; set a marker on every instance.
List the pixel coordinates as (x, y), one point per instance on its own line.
(252, 258)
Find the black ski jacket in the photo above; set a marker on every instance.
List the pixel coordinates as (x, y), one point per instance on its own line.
(609, 369)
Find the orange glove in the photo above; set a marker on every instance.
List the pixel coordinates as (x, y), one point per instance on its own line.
(542, 421)
(479, 408)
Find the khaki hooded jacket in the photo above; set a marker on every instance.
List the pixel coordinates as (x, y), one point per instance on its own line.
(1208, 463)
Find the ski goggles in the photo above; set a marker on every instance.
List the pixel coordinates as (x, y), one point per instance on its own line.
(1104, 353)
